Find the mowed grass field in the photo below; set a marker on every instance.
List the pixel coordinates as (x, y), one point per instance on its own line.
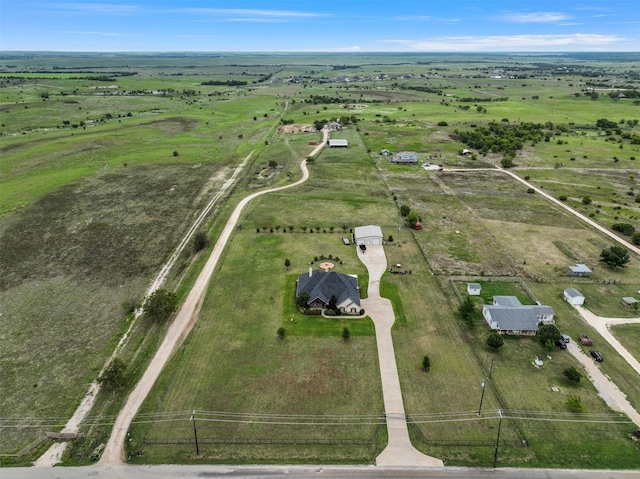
(109, 199)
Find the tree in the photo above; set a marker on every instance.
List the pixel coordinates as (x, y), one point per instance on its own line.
(302, 300)
(346, 334)
(624, 228)
(161, 304)
(175, 153)
(635, 238)
(281, 333)
(572, 374)
(495, 340)
(412, 219)
(507, 162)
(575, 403)
(586, 200)
(112, 377)
(467, 309)
(426, 363)
(287, 263)
(615, 256)
(405, 210)
(200, 241)
(548, 333)
(333, 303)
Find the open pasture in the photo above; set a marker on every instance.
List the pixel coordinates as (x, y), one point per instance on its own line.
(87, 233)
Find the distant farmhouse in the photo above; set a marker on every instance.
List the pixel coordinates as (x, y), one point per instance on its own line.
(508, 316)
(405, 158)
(579, 270)
(334, 126)
(322, 285)
(338, 143)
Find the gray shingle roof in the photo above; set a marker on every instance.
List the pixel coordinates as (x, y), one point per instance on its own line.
(573, 293)
(509, 319)
(322, 285)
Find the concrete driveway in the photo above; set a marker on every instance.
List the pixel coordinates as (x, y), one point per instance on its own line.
(399, 450)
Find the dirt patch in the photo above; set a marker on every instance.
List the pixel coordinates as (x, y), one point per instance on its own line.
(176, 124)
(107, 228)
(296, 128)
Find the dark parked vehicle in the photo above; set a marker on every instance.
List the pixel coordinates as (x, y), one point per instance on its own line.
(597, 355)
(363, 247)
(561, 344)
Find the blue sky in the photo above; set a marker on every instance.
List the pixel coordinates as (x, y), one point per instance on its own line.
(312, 26)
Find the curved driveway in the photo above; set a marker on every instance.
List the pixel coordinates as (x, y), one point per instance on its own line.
(399, 450)
(182, 324)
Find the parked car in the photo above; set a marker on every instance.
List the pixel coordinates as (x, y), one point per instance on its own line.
(597, 355)
(346, 241)
(363, 247)
(585, 340)
(565, 338)
(561, 344)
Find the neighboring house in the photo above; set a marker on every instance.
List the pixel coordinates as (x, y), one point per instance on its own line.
(629, 301)
(573, 296)
(338, 143)
(334, 125)
(473, 289)
(385, 152)
(405, 157)
(322, 285)
(579, 270)
(368, 235)
(508, 316)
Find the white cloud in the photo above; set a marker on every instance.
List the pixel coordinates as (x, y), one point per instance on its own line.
(535, 17)
(101, 34)
(242, 14)
(96, 8)
(508, 42)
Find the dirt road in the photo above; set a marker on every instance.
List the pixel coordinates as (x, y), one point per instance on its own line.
(182, 324)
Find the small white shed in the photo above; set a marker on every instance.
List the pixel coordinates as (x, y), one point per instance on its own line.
(573, 296)
(473, 289)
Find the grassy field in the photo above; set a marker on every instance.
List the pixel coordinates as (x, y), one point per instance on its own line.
(100, 179)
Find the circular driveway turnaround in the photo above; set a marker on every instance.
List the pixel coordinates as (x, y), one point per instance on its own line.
(399, 450)
(182, 324)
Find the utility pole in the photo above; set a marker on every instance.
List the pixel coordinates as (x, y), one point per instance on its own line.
(195, 431)
(495, 455)
(484, 385)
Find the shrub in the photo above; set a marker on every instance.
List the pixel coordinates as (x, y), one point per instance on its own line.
(624, 228)
(530, 191)
(426, 363)
(281, 333)
(443, 123)
(562, 197)
(572, 374)
(574, 403)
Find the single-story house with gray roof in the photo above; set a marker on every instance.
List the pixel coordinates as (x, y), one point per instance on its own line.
(579, 270)
(338, 143)
(405, 157)
(573, 296)
(508, 316)
(321, 285)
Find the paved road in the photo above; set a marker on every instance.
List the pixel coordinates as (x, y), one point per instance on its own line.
(399, 450)
(182, 324)
(293, 472)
